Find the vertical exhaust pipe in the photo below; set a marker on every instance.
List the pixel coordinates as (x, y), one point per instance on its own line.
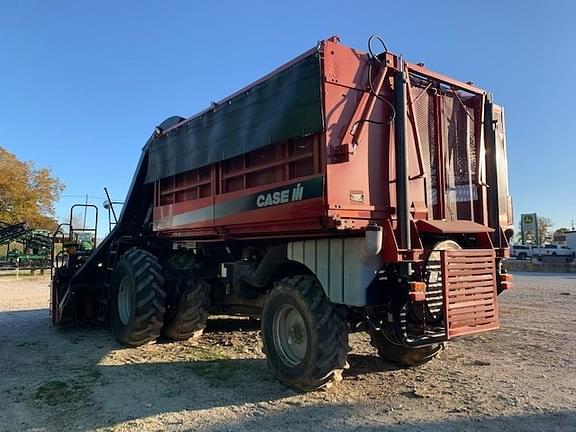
(401, 159)
(492, 168)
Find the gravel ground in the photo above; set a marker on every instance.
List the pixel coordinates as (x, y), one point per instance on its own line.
(520, 378)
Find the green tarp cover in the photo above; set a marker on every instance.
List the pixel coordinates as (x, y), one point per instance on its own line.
(286, 105)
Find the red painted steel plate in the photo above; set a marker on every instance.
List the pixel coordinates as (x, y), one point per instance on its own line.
(447, 227)
(469, 285)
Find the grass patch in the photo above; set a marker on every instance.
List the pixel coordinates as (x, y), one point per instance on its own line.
(56, 392)
(205, 353)
(217, 373)
(92, 375)
(212, 363)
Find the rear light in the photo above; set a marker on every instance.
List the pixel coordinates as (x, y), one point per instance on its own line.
(417, 291)
(505, 281)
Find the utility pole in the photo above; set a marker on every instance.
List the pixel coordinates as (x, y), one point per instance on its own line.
(85, 208)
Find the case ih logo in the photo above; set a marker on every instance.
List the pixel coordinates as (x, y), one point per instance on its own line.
(280, 197)
(295, 192)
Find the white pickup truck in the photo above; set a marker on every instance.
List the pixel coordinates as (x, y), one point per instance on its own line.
(556, 250)
(528, 251)
(521, 252)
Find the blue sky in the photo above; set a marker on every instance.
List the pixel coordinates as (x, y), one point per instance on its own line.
(82, 84)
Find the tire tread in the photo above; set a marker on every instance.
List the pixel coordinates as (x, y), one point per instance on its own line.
(150, 298)
(192, 312)
(332, 332)
(403, 355)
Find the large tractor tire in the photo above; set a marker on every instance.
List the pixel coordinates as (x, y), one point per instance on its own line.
(305, 339)
(138, 298)
(400, 354)
(191, 313)
(416, 356)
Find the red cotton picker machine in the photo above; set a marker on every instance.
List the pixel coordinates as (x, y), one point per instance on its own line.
(345, 191)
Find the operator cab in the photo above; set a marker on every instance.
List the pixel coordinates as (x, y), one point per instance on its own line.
(75, 245)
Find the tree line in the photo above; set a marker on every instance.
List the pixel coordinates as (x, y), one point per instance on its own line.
(27, 193)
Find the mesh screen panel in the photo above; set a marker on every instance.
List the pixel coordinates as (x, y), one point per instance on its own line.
(456, 115)
(458, 138)
(424, 113)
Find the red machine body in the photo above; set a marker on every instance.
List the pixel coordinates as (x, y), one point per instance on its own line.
(351, 165)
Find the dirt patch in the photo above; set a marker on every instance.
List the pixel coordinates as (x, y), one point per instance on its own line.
(520, 378)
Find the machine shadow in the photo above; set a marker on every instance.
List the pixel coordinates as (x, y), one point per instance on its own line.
(338, 417)
(229, 324)
(362, 364)
(82, 376)
(90, 391)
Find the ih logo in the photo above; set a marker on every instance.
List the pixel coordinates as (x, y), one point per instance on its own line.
(280, 197)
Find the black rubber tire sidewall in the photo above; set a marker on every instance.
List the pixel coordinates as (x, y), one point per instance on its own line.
(282, 297)
(400, 354)
(122, 331)
(148, 307)
(327, 334)
(189, 319)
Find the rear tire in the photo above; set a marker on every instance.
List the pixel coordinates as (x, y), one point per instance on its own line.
(191, 314)
(304, 337)
(138, 298)
(400, 354)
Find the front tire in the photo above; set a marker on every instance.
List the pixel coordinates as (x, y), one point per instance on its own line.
(138, 298)
(400, 354)
(304, 337)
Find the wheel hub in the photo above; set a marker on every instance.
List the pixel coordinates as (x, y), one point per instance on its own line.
(125, 300)
(290, 336)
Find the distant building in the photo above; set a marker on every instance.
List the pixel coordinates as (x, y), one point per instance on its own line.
(571, 239)
(559, 237)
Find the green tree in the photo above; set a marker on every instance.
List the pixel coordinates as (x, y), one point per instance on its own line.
(544, 232)
(545, 229)
(27, 193)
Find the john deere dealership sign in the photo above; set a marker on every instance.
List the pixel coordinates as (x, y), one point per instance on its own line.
(529, 227)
